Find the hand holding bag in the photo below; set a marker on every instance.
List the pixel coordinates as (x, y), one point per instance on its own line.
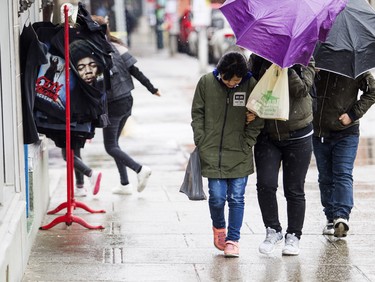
(270, 96)
(192, 185)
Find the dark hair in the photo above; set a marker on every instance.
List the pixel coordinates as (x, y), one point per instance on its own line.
(104, 23)
(232, 64)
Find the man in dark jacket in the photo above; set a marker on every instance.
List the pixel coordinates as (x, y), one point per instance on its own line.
(335, 141)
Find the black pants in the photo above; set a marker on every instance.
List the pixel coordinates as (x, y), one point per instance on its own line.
(119, 112)
(295, 156)
(80, 168)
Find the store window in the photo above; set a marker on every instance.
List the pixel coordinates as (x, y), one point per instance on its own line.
(8, 143)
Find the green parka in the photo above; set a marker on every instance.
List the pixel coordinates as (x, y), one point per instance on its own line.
(219, 125)
(336, 95)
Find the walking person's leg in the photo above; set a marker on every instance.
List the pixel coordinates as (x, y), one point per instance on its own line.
(236, 204)
(267, 161)
(323, 158)
(296, 161)
(81, 170)
(217, 190)
(111, 135)
(344, 154)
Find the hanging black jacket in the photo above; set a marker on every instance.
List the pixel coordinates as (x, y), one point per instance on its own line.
(88, 103)
(32, 56)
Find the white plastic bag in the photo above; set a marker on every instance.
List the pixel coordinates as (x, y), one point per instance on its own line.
(270, 96)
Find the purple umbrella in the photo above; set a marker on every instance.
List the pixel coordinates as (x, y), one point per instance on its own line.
(282, 31)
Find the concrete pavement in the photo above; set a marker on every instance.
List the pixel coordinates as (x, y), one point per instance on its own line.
(159, 235)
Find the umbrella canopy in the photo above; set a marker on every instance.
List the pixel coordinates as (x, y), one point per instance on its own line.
(284, 32)
(350, 46)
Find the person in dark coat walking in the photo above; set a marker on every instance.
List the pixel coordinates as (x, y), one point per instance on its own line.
(120, 103)
(335, 141)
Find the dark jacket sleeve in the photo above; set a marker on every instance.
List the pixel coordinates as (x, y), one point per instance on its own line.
(366, 83)
(252, 131)
(198, 113)
(135, 72)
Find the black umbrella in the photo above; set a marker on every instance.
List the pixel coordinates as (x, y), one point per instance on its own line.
(350, 46)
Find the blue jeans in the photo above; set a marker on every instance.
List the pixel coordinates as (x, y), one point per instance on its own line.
(335, 161)
(231, 190)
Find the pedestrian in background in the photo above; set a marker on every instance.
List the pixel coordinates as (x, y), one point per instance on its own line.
(131, 23)
(335, 141)
(120, 103)
(80, 171)
(287, 143)
(225, 142)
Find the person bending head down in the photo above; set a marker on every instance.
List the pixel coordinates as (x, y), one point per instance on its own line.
(232, 67)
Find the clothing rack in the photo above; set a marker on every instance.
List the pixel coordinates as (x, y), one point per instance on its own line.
(71, 203)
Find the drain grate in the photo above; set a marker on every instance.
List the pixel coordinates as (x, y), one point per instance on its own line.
(115, 228)
(113, 255)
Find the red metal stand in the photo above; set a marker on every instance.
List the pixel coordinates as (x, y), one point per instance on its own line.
(69, 218)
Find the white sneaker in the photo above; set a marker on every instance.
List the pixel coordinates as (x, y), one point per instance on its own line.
(272, 239)
(123, 190)
(143, 177)
(328, 229)
(291, 247)
(80, 192)
(341, 226)
(95, 179)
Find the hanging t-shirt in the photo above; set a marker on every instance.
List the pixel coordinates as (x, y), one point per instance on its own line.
(32, 55)
(88, 105)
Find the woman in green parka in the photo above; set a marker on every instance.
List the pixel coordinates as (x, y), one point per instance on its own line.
(225, 142)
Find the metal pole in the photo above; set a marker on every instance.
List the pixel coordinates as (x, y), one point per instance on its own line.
(120, 20)
(203, 49)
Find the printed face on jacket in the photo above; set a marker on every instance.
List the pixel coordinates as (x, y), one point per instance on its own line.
(87, 69)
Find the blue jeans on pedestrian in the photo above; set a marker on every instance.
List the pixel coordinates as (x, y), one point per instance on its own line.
(335, 161)
(231, 190)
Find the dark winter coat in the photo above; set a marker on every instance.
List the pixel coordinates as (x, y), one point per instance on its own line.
(122, 72)
(224, 140)
(336, 95)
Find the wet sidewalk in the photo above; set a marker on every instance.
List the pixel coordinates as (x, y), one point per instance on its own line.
(159, 235)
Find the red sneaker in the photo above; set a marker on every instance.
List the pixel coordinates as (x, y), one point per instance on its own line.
(231, 249)
(219, 238)
(95, 179)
